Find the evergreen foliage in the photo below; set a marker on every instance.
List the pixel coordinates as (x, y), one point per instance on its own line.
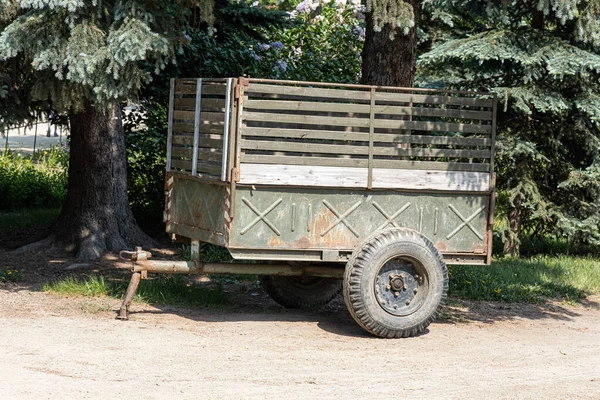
(541, 59)
(92, 50)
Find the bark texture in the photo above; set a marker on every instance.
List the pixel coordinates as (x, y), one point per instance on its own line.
(387, 62)
(511, 245)
(96, 217)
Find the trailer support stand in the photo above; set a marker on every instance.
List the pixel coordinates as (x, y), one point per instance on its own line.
(131, 289)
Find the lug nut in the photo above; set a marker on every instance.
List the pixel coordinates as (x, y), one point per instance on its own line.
(396, 294)
(415, 291)
(408, 303)
(395, 307)
(388, 287)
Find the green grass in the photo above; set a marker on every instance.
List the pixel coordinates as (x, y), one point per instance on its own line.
(27, 218)
(530, 280)
(163, 290)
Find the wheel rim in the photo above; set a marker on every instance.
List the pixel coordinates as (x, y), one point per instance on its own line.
(401, 286)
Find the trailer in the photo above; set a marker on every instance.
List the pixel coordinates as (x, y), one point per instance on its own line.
(323, 187)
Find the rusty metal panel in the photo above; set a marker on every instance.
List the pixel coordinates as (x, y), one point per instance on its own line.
(199, 210)
(312, 218)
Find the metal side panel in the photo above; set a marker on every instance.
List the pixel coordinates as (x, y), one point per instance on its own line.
(309, 219)
(199, 210)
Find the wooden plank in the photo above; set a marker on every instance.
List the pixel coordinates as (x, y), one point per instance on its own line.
(305, 134)
(182, 164)
(185, 152)
(302, 175)
(209, 168)
(363, 162)
(207, 89)
(205, 116)
(364, 122)
(306, 119)
(363, 136)
(307, 105)
(300, 147)
(320, 106)
(309, 92)
(430, 152)
(433, 99)
(215, 155)
(202, 141)
(432, 126)
(298, 160)
(170, 122)
(206, 103)
(431, 165)
(180, 127)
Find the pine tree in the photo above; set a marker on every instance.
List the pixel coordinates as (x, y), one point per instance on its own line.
(390, 49)
(87, 57)
(541, 58)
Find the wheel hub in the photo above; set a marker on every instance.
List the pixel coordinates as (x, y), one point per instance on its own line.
(400, 289)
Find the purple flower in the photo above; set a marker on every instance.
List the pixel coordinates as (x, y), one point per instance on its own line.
(304, 7)
(281, 66)
(255, 56)
(277, 45)
(263, 47)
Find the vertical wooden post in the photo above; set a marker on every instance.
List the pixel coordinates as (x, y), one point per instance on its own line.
(371, 134)
(197, 125)
(170, 128)
(226, 126)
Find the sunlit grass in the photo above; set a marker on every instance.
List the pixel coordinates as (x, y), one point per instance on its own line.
(162, 290)
(528, 280)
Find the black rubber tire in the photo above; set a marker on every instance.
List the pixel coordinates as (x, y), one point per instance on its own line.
(301, 292)
(362, 271)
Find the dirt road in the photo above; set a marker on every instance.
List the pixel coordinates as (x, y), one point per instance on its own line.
(72, 348)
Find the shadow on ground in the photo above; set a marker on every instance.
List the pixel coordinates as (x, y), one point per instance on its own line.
(250, 303)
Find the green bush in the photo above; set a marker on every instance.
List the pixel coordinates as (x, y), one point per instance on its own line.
(28, 182)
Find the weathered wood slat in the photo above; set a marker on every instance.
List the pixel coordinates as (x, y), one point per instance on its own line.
(306, 119)
(298, 160)
(202, 141)
(431, 165)
(363, 163)
(216, 129)
(432, 99)
(209, 168)
(364, 122)
(182, 152)
(320, 106)
(302, 175)
(430, 152)
(182, 164)
(206, 103)
(204, 116)
(300, 147)
(308, 92)
(364, 137)
(207, 89)
(433, 126)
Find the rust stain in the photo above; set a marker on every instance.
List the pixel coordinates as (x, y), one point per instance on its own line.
(276, 242)
(479, 249)
(302, 243)
(441, 246)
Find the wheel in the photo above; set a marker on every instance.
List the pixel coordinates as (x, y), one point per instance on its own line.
(395, 282)
(301, 292)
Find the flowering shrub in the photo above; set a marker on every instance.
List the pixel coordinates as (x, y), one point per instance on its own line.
(324, 45)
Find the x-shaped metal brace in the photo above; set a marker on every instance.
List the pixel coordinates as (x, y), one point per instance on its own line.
(390, 219)
(341, 218)
(261, 216)
(465, 222)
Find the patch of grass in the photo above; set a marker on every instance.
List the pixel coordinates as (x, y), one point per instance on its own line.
(10, 275)
(529, 280)
(163, 290)
(27, 218)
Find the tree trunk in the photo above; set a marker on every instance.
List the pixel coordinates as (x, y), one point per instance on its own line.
(387, 62)
(512, 246)
(96, 217)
